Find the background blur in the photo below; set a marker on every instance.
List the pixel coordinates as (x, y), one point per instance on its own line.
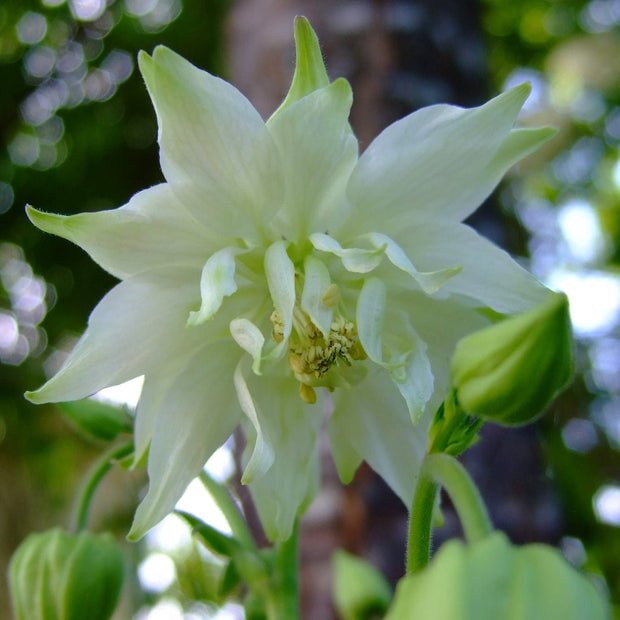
(78, 133)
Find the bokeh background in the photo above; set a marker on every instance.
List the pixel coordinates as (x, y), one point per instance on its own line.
(78, 133)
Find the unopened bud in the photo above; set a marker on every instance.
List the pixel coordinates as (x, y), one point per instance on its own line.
(55, 575)
(510, 372)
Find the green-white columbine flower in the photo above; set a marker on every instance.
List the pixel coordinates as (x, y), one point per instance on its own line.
(275, 265)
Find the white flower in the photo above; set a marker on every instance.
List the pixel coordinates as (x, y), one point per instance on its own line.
(274, 266)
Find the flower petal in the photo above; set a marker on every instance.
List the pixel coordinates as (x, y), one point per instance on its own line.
(441, 323)
(280, 273)
(152, 230)
(262, 454)
(355, 260)
(310, 73)
(434, 162)
(317, 152)
(216, 282)
(215, 150)
(370, 316)
(250, 339)
(134, 328)
(372, 420)
(316, 282)
(195, 417)
(430, 282)
(291, 482)
(407, 361)
(489, 275)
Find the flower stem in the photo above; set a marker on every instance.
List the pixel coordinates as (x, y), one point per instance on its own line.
(447, 471)
(421, 522)
(443, 470)
(94, 476)
(224, 501)
(284, 603)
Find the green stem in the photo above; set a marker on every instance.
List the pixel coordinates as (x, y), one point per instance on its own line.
(224, 501)
(284, 602)
(94, 476)
(443, 470)
(421, 522)
(463, 492)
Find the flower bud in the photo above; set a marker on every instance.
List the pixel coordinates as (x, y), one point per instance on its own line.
(55, 575)
(510, 372)
(493, 579)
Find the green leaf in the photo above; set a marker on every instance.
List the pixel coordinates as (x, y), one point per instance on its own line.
(493, 579)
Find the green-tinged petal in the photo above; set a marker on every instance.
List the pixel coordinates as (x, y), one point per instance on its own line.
(429, 282)
(250, 339)
(372, 420)
(215, 150)
(318, 153)
(489, 275)
(433, 162)
(310, 73)
(262, 453)
(406, 360)
(355, 260)
(316, 282)
(137, 326)
(291, 482)
(152, 230)
(440, 323)
(370, 315)
(195, 417)
(415, 379)
(519, 144)
(216, 282)
(280, 273)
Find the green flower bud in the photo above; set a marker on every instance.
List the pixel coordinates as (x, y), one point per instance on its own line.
(493, 579)
(510, 372)
(55, 575)
(360, 590)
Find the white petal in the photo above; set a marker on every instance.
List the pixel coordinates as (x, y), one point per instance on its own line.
(316, 282)
(370, 316)
(355, 260)
(489, 275)
(134, 328)
(262, 454)
(250, 339)
(318, 152)
(280, 273)
(415, 380)
(216, 282)
(291, 482)
(406, 355)
(441, 324)
(215, 150)
(373, 421)
(430, 282)
(152, 230)
(195, 416)
(434, 162)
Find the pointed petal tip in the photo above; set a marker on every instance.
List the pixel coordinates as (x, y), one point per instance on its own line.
(144, 61)
(31, 396)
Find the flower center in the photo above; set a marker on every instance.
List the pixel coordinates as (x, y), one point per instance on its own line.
(314, 357)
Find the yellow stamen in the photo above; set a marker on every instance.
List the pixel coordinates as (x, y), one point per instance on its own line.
(307, 393)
